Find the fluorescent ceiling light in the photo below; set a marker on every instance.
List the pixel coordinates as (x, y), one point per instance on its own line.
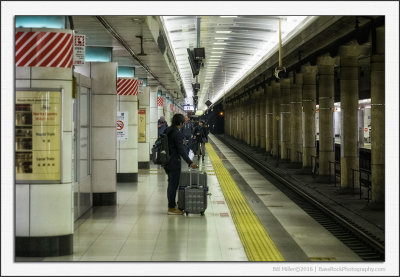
(228, 16)
(220, 43)
(216, 52)
(223, 32)
(213, 62)
(218, 48)
(221, 38)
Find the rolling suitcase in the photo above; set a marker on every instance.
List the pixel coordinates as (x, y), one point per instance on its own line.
(192, 192)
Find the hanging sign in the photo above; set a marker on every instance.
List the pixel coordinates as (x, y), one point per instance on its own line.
(140, 86)
(122, 125)
(79, 49)
(38, 135)
(142, 125)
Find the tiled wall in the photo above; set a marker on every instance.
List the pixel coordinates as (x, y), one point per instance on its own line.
(104, 136)
(47, 209)
(127, 154)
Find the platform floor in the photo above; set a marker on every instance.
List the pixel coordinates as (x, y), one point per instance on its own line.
(138, 228)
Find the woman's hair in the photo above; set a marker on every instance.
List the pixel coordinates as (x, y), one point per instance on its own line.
(177, 119)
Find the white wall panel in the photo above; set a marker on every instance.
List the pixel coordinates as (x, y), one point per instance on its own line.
(66, 166)
(127, 160)
(51, 73)
(23, 83)
(83, 69)
(22, 72)
(104, 78)
(104, 110)
(143, 152)
(51, 209)
(22, 210)
(103, 141)
(104, 177)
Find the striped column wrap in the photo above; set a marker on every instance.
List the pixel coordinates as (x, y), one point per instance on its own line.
(43, 49)
(160, 101)
(127, 86)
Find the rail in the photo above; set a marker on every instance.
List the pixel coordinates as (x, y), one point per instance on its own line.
(336, 172)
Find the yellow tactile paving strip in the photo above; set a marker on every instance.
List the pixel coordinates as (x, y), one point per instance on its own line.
(256, 241)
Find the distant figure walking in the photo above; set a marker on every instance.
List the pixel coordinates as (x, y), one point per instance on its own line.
(162, 125)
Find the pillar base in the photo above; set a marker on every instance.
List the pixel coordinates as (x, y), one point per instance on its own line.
(143, 165)
(127, 177)
(51, 246)
(104, 199)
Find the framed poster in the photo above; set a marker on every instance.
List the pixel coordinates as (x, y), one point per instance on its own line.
(38, 135)
(142, 125)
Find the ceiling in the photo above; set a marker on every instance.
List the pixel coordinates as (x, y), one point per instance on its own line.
(128, 28)
(234, 45)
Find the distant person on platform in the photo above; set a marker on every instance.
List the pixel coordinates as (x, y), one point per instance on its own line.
(201, 139)
(162, 125)
(173, 167)
(187, 131)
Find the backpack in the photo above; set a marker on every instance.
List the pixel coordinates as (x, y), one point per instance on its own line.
(160, 150)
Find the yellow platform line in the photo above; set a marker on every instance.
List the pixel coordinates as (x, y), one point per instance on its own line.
(256, 241)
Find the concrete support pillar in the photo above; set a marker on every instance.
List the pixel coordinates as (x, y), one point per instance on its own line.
(153, 116)
(144, 129)
(268, 119)
(243, 120)
(253, 120)
(378, 120)
(326, 108)
(262, 117)
(276, 118)
(127, 151)
(309, 94)
(257, 119)
(349, 110)
(285, 118)
(44, 197)
(247, 124)
(296, 138)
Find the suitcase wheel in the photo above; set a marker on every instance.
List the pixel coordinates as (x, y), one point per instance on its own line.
(187, 213)
(202, 213)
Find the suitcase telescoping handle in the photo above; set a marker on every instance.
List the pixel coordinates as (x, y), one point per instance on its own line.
(190, 178)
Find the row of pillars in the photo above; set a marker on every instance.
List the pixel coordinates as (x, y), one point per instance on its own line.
(279, 118)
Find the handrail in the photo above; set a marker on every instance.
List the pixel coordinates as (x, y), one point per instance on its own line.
(334, 171)
(360, 181)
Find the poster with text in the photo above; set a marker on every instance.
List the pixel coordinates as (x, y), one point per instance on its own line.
(142, 125)
(38, 135)
(122, 126)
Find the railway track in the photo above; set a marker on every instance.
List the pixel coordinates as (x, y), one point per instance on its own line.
(363, 243)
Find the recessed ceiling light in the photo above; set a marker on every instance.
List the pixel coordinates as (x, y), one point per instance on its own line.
(223, 32)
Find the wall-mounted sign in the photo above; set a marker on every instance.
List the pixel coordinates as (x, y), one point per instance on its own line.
(38, 135)
(142, 125)
(79, 49)
(122, 125)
